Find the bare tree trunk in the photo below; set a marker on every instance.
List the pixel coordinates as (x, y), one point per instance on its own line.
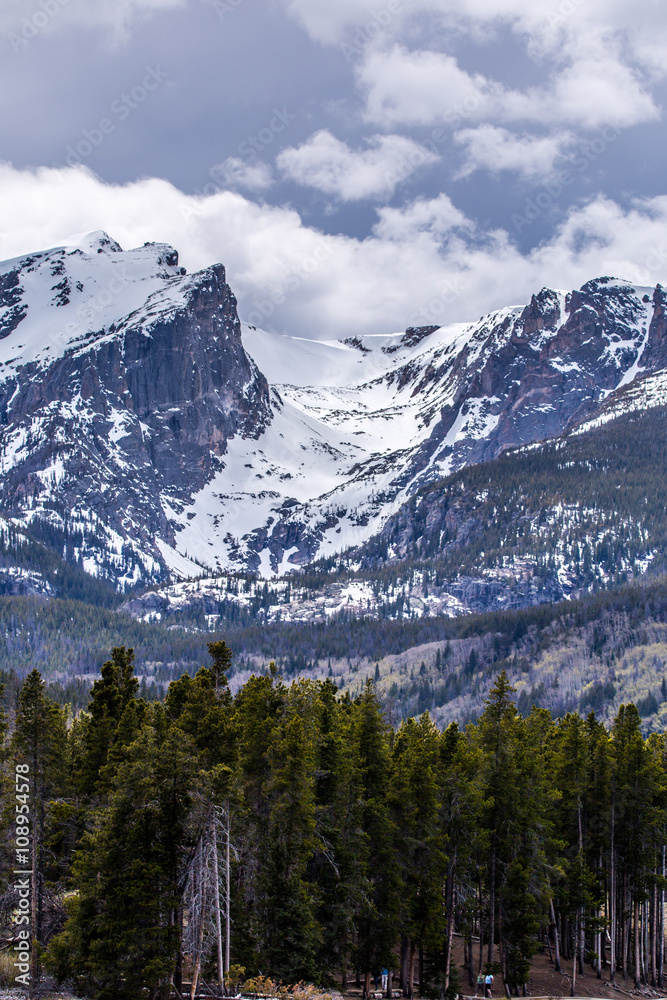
(635, 916)
(661, 924)
(228, 889)
(598, 933)
(654, 937)
(626, 932)
(612, 901)
(492, 906)
(390, 976)
(582, 928)
(421, 970)
(404, 965)
(450, 922)
(34, 893)
(554, 924)
(216, 899)
(481, 926)
(645, 942)
(501, 950)
(411, 970)
(177, 978)
(576, 949)
(201, 896)
(450, 938)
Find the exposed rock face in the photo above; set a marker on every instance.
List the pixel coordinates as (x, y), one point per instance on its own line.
(101, 440)
(136, 425)
(536, 373)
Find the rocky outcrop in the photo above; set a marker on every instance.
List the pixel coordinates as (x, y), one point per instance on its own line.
(137, 429)
(97, 439)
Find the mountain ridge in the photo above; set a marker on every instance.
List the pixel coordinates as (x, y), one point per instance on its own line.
(175, 442)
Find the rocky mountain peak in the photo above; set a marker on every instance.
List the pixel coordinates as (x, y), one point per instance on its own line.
(123, 380)
(156, 438)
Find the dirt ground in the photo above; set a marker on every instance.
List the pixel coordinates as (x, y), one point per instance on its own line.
(544, 982)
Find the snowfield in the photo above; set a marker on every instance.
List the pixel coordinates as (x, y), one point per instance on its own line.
(355, 426)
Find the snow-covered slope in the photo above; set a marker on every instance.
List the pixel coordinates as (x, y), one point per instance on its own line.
(359, 425)
(121, 381)
(159, 439)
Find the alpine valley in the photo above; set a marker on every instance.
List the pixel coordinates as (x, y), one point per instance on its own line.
(157, 454)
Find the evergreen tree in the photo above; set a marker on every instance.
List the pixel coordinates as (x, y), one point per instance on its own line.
(291, 931)
(123, 934)
(111, 698)
(419, 847)
(377, 912)
(39, 741)
(335, 868)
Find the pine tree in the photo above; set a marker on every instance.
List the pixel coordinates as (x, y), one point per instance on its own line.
(335, 866)
(291, 931)
(39, 741)
(378, 909)
(420, 858)
(111, 697)
(123, 934)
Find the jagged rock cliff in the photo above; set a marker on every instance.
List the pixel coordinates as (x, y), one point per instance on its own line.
(148, 436)
(119, 393)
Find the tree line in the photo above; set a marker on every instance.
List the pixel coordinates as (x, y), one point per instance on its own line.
(289, 830)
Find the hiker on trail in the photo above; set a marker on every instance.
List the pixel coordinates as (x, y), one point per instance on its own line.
(488, 985)
(480, 984)
(385, 976)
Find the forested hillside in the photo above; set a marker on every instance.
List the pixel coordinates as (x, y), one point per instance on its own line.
(596, 652)
(578, 513)
(352, 845)
(566, 518)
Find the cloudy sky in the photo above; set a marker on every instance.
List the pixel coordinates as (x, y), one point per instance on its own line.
(358, 165)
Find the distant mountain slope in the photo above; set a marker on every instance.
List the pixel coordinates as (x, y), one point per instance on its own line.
(149, 438)
(121, 380)
(579, 655)
(570, 516)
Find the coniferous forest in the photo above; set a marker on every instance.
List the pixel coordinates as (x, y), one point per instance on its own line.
(289, 832)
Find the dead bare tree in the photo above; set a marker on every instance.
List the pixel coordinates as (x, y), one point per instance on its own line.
(207, 890)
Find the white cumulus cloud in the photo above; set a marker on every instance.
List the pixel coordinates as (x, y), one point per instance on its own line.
(424, 264)
(21, 21)
(491, 148)
(329, 165)
(598, 60)
(235, 172)
(421, 88)
(432, 216)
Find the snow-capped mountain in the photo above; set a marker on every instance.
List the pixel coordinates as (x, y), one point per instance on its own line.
(121, 381)
(158, 439)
